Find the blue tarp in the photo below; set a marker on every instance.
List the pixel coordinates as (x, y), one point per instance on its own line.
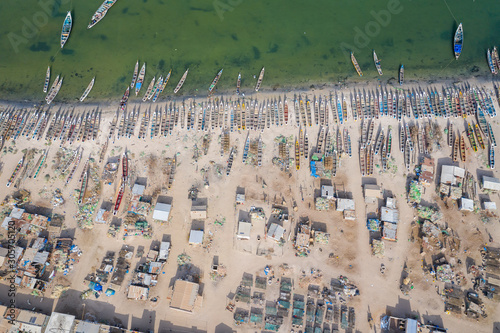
(95, 286)
(313, 169)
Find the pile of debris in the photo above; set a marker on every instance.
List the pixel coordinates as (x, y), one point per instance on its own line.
(415, 192)
(183, 259)
(57, 198)
(378, 248)
(429, 213)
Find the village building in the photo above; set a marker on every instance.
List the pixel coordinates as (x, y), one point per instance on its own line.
(196, 237)
(491, 184)
(185, 296)
(244, 229)
(162, 211)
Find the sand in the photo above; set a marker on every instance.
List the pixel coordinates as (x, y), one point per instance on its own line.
(349, 239)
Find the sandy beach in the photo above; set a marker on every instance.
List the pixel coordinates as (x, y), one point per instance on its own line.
(348, 252)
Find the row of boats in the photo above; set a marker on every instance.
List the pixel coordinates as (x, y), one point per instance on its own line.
(378, 66)
(56, 86)
(493, 60)
(66, 126)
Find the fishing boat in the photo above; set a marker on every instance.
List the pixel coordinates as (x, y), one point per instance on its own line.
(378, 143)
(83, 188)
(389, 143)
(286, 111)
(100, 12)
(47, 80)
(52, 87)
(306, 145)
(348, 140)
(165, 81)
(149, 90)
(458, 41)
(370, 133)
(181, 82)
(491, 135)
(377, 63)
(134, 76)
(259, 81)
(492, 157)
(362, 161)
(462, 147)
(118, 200)
(321, 137)
(229, 162)
(214, 82)
(246, 148)
(491, 64)
(356, 66)
(495, 58)
(53, 93)
(124, 100)
(259, 152)
(16, 171)
(470, 134)
(156, 89)
(87, 91)
(238, 84)
(450, 135)
(140, 79)
(456, 148)
(40, 164)
(479, 136)
(125, 167)
(401, 75)
(66, 29)
(297, 154)
(407, 155)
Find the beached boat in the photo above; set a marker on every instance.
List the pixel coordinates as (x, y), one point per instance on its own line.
(362, 161)
(379, 141)
(214, 82)
(238, 84)
(370, 133)
(140, 79)
(401, 75)
(259, 152)
(100, 12)
(246, 148)
(462, 147)
(149, 91)
(134, 76)
(87, 91)
(479, 136)
(125, 167)
(492, 157)
(40, 164)
(124, 100)
(259, 81)
(491, 135)
(83, 188)
(450, 135)
(165, 81)
(297, 154)
(321, 136)
(66, 29)
(52, 87)
(347, 137)
(118, 200)
(16, 171)
(181, 82)
(356, 66)
(491, 64)
(458, 41)
(306, 145)
(156, 89)
(229, 162)
(407, 155)
(389, 143)
(47, 80)
(377, 63)
(470, 135)
(383, 156)
(456, 147)
(286, 110)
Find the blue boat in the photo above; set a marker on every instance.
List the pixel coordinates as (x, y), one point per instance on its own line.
(66, 29)
(458, 41)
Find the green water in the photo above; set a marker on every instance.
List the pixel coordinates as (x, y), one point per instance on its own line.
(301, 43)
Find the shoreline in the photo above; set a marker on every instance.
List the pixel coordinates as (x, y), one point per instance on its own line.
(348, 84)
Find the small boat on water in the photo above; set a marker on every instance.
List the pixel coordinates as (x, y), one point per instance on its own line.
(52, 87)
(259, 81)
(165, 81)
(53, 92)
(458, 41)
(492, 157)
(356, 66)
(134, 77)
(157, 89)
(401, 75)
(150, 89)
(495, 58)
(238, 84)
(491, 64)
(377, 63)
(214, 82)
(87, 91)
(100, 12)
(66, 29)
(140, 79)
(181, 82)
(47, 80)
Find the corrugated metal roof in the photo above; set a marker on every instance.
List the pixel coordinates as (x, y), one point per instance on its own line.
(490, 183)
(162, 211)
(196, 237)
(184, 295)
(389, 215)
(345, 204)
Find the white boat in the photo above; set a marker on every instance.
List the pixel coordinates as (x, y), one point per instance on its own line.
(259, 81)
(181, 82)
(100, 12)
(66, 29)
(89, 88)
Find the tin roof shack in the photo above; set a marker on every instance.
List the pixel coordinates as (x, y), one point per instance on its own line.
(466, 205)
(198, 211)
(491, 266)
(389, 215)
(185, 296)
(490, 206)
(240, 198)
(196, 237)
(452, 175)
(399, 325)
(427, 171)
(453, 298)
(244, 229)
(164, 251)
(162, 211)
(138, 203)
(491, 184)
(276, 232)
(327, 192)
(60, 322)
(136, 292)
(88, 327)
